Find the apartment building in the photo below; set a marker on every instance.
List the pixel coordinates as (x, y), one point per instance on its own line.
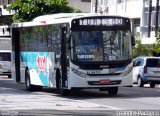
(149, 24)
(136, 10)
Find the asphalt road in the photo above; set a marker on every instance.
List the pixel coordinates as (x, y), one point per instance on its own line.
(128, 98)
(10, 83)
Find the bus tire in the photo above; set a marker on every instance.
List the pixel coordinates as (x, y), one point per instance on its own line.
(29, 87)
(60, 90)
(113, 91)
(9, 76)
(152, 85)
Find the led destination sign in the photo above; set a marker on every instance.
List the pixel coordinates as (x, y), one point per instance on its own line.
(102, 22)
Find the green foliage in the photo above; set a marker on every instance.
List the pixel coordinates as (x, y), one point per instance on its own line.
(26, 10)
(156, 49)
(158, 35)
(141, 49)
(147, 50)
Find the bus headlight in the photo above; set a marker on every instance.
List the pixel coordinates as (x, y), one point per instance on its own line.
(78, 72)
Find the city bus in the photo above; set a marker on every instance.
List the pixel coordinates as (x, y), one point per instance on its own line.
(73, 51)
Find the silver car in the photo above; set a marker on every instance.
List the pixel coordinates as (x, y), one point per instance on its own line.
(146, 70)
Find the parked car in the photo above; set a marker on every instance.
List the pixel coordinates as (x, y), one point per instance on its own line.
(5, 64)
(146, 70)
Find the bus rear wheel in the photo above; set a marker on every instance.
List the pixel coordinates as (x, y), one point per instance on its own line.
(113, 91)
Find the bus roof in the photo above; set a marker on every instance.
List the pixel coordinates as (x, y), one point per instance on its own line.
(60, 15)
(51, 19)
(56, 18)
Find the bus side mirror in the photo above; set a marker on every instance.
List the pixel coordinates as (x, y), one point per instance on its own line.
(133, 41)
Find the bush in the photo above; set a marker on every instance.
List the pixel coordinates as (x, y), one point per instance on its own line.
(141, 49)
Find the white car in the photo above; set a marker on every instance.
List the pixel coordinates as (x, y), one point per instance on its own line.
(5, 64)
(146, 70)
(5, 68)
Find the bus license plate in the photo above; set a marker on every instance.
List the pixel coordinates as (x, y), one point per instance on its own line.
(104, 81)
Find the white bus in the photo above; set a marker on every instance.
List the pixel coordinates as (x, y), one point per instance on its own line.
(73, 51)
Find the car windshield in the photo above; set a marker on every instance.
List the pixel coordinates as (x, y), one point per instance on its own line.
(114, 45)
(152, 62)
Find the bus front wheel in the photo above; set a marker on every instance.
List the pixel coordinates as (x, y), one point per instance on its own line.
(60, 89)
(9, 76)
(152, 85)
(113, 91)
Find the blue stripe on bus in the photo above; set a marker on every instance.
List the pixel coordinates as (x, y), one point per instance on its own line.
(38, 62)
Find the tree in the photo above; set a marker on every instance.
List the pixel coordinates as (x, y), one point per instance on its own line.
(147, 50)
(26, 10)
(141, 49)
(158, 35)
(156, 49)
(156, 46)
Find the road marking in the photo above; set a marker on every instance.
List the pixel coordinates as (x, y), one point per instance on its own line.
(114, 108)
(13, 99)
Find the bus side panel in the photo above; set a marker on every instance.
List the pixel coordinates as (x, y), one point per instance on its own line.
(52, 69)
(37, 62)
(127, 80)
(127, 76)
(13, 70)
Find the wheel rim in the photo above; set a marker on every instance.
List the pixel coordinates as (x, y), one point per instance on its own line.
(28, 83)
(60, 84)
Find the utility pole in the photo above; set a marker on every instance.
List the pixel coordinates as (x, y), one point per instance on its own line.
(149, 17)
(96, 4)
(157, 12)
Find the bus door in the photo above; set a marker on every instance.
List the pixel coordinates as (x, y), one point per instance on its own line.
(16, 47)
(64, 55)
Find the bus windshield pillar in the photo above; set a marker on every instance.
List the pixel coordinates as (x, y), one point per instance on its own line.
(63, 56)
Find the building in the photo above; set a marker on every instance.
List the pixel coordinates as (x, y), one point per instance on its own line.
(149, 8)
(6, 16)
(83, 5)
(136, 10)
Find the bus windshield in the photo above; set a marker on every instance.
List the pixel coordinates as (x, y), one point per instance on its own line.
(110, 45)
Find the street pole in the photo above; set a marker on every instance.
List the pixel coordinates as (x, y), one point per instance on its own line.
(157, 12)
(149, 17)
(96, 4)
